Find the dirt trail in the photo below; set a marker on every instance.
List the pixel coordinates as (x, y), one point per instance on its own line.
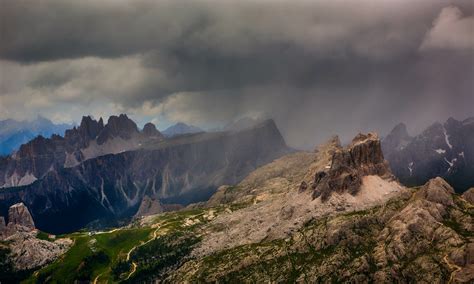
(134, 265)
(451, 266)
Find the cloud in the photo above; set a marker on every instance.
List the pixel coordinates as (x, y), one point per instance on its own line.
(451, 30)
(317, 67)
(54, 29)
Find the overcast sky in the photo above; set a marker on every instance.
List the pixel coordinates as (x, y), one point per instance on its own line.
(317, 67)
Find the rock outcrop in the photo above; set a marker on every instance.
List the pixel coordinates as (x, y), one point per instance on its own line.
(19, 220)
(149, 206)
(363, 157)
(26, 250)
(29, 252)
(469, 195)
(18, 215)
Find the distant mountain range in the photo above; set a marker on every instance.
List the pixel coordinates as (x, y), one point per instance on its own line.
(181, 128)
(445, 150)
(14, 133)
(103, 171)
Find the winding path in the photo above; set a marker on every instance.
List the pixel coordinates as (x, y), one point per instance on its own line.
(134, 265)
(451, 266)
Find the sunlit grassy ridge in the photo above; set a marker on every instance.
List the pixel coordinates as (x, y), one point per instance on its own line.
(110, 256)
(91, 255)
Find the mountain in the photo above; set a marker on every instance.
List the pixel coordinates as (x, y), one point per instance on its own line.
(91, 139)
(99, 171)
(445, 150)
(14, 133)
(181, 128)
(334, 215)
(242, 123)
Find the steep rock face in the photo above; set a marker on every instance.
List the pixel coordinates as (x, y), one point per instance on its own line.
(118, 126)
(363, 157)
(444, 150)
(18, 215)
(176, 171)
(148, 207)
(19, 220)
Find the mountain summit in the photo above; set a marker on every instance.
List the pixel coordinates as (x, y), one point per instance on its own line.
(445, 150)
(181, 128)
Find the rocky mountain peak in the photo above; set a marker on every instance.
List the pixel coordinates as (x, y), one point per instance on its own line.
(348, 165)
(90, 128)
(149, 130)
(437, 190)
(397, 139)
(400, 131)
(118, 126)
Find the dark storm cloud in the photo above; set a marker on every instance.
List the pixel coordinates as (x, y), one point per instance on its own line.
(317, 67)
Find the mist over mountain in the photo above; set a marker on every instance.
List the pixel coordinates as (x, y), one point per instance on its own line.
(443, 149)
(318, 68)
(210, 141)
(14, 133)
(103, 171)
(181, 128)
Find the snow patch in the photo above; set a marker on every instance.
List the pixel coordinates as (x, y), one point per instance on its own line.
(461, 154)
(410, 168)
(450, 163)
(440, 151)
(446, 138)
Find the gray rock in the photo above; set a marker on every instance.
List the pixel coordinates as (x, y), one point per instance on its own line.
(19, 216)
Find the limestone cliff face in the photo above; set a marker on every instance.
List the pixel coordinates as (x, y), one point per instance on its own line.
(361, 158)
(26, 250)
(19, 215)
(19, 220)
